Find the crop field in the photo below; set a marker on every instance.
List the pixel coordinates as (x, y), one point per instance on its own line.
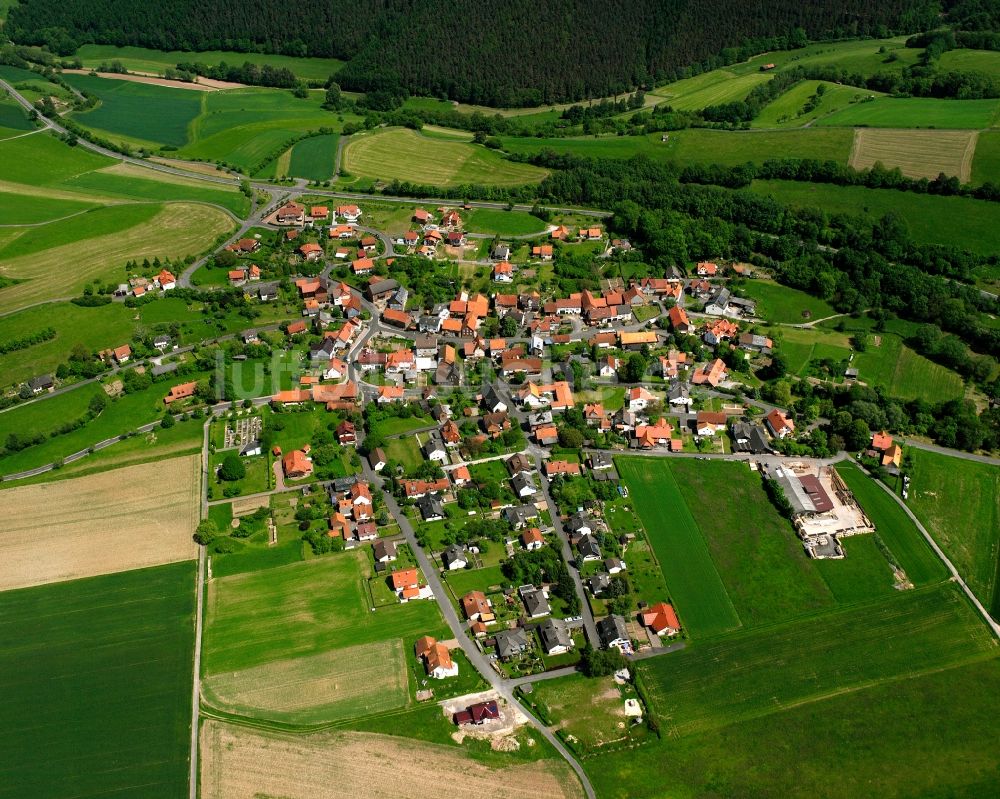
(142, 59)
(314, 157)
(19, 209)
(97, 675)
(986, 161)
(894, 527)
(157, 114)
(698, 146)
(884, 724)
(99, 243)
(917, 153)
(761, 562)
(783, 304)
(917, 112)
(747, 675)
(240, 763)
(931, 219)
(13, 120)
(862, 574)
(300, 610)
(92, 525)
(958, 501)
(354, 681)
(696, 589)
(788, 110)
(403, 154)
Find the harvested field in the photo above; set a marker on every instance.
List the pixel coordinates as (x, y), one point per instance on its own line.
(100, 524)
(190, 166)
(917, 153)
(203, 85)
(356, 681)
(240, 763)
(243, 507)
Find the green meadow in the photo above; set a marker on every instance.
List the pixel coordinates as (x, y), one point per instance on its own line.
(917, 112)
(785, 305)
(958, 501)
(143, 59)
(931, 219)
(986, 161)
(503, 223)
(20, 209)
(788, 110)
(97, 698)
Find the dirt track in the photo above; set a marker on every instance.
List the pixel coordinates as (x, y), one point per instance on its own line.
(100, 524)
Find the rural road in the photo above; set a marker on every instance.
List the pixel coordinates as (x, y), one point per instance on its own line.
(198, 622)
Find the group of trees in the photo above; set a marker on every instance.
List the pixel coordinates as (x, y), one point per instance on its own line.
(492, 52)
(248, 73)
(543, 565)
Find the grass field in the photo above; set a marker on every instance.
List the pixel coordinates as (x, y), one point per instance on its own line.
(142, 59)
(590, 710)
(696, 589)
(405, 451)
(86, 526)
(503, 223)
(964, 60)
(986, 161)
(917, 112)
(711, 88)
(760, 560)
(862, 574)
(958, 501)
(18, 209)
(698, 146)
(301, 610)
(894, 527)
(314, 157)
(403, 154)
(782, 304)
(748, 675)
(99, 243)
(97, 698)
(884, 746)
(931, 219)
(241, 763)
(344, 683)
(13, 120)
(917, 153)
(788, 110)
(157, 114)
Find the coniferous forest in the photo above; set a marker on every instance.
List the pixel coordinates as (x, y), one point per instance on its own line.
(493, 52)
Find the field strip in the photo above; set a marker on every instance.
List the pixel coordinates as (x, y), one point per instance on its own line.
(965, 174)
(133, 78)
(240, 763)
(100, 524)
(353, 681)
(916, 153)
(135, 171)
(53, 193)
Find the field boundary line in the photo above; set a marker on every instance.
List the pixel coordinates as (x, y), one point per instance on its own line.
(965, 170)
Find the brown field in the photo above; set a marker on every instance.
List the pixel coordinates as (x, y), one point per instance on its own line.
(917, 153)
(247, 505)
(203, 84)
(191, 166)
(110, 522)
(240, 763)
(356, 681)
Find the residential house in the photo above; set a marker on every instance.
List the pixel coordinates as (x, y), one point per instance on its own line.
(709, 423)
(639, 399)
(437, 659)
(547, 435)
(553, 468)
(477, 714)
(291, 213)
(613, 633)
(503, 272)
(179, 392)
(523, 485)
(491, 400)
(518, 463)
(349, 213)
(542, 251)
(455, 557)
(477, 607)
(598, 583)
(346, 434)
(384, 551)
(377, 459)
(750, 438)
(520, 516)
(614, 565)
(779, 424)
(297, 464)
(588, 548)
(45, 383)
(555, 637)
(679, 395)
(753, 342)
(712, 373)
(661, 619)
(679, 319)
(707, 269)
(532, 539)
(434, 449)
(311, 251)
(536, 603)
(501, 253)
(511, 643)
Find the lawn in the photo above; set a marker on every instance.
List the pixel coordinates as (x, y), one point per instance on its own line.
(257, 477)
(957, 221)
(782, 304)
(916, 112)
(403, 154)
(958, 501)
(465, 580)
(405, 451)
(395, 425)
(884, 746)
(696, 589)
(503, 223)
(894, 528)
(303, 609)
(142, 59)
(97, 698)
(751, 674)
(156, 114)
(761, 562)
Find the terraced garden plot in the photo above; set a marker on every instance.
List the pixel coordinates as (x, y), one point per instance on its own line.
(403, 154)
(764, 672)
(353, 681)
(917, 153)
(97, 674)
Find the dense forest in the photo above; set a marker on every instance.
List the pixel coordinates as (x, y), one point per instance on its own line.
(494, 52)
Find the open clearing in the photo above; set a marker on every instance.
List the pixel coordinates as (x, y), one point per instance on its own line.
(958, 501)
(757, 673)
(241, 763)
(403, 154)
(175, 230)
(917, 153)
(118, 520)
(355, 681)
(97, 685)
(917, 112)
(303, 609)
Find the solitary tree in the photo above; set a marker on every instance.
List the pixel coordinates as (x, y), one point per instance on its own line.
(232, 468)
